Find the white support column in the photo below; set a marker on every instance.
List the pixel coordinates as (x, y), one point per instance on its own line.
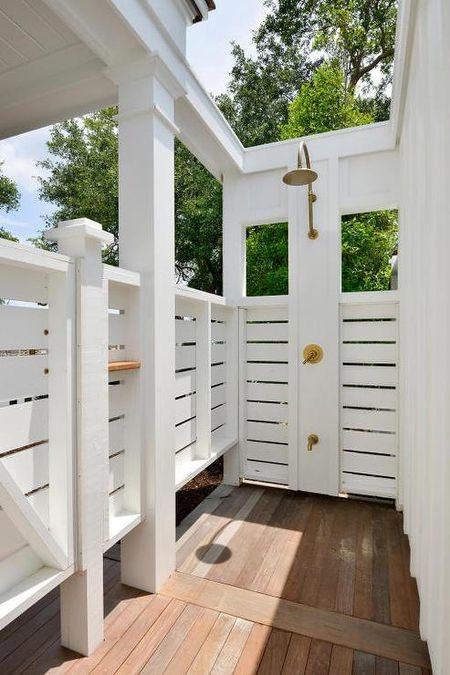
(147, 223)
(82, 593)
(234, 288)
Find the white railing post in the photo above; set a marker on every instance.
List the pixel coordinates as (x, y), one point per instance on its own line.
(203, 380)
(82, 593)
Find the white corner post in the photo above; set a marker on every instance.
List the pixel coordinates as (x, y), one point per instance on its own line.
(82, 593)
(147, 222)
(234, 288)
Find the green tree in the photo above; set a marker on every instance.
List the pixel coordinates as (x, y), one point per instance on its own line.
(323, 104)
(267, 259)
(82, 181)
(369, 240)
(4, 234)
(9, 192)
(291, 42)
(82, 174)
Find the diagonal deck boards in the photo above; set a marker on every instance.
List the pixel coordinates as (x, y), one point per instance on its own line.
(359, 634)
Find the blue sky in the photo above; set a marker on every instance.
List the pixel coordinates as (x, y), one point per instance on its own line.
(209, 52)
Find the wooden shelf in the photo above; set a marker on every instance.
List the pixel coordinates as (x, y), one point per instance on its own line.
(123, 365)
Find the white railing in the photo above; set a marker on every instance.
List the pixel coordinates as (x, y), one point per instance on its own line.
(70, 433)
(206, 380)
(36, 415)
(369, 393)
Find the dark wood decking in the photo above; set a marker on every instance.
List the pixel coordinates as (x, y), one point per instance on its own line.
(269, 582)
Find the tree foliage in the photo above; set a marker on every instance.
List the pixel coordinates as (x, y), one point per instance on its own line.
(369, 240)
(4, 234)
(323, 104)
(267, 259)
(9, 192)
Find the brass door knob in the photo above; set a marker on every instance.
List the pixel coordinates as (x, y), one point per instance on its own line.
(312, 354)
(313, 439)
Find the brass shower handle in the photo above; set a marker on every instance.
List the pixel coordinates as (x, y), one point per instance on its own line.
(313, 439)
(312, 354)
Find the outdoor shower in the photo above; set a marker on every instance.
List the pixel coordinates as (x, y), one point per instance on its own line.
(304, 175)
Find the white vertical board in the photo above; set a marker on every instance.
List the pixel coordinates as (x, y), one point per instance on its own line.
(264, 400)
(369, 396)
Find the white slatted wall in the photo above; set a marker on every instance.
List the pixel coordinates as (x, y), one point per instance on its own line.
(369, 398)
(264, 393)
(124, 440)
(219, 369)
(185, 385)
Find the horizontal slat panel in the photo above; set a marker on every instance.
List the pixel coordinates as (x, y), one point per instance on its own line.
(368, 353)
(369, 441)
(218, 331)
(218, 353)
(29, 468)
(23, 424)
(116, 472)
(372, 420)
(267, 352)
(269, 332)
(184, 331)
(116, 435)
(258, 431)
(117, 329)
(269, 412)
(267, 372)
(267, 314)
(370, 375)
(376, 465)
(369, 397)
(23, 327)
(185, 434)
(269, 473)
(183, 459)
(369, 330)
(218, 416)
(218, 395)
(267, 452)
(218, 374)
(185, 357)
(22, 376)
(10, 538)
(28, 285)
(368, 485)
(116, 399)
(267, 392)
(370, 311)
(184, 408)
(184, 383)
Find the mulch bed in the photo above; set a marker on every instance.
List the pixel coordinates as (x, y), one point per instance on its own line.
(198, 488)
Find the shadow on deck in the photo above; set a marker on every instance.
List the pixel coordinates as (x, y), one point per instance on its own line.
(268, 581)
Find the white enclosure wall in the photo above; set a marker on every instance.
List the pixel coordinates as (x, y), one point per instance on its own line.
(282, 400)
(424, 322)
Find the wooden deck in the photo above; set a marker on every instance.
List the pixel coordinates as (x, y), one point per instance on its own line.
(268, 581)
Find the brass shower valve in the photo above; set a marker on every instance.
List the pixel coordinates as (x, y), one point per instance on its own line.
(312, 353)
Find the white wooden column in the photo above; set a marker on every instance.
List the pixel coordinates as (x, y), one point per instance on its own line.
(82, 593)
(234, 285)
(146, 199)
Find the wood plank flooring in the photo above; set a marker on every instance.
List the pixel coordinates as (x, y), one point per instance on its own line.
(336, 565)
